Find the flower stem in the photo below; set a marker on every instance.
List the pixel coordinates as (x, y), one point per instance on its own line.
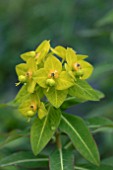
(58, 140)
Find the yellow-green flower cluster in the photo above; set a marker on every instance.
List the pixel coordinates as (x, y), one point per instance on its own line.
(48, 72)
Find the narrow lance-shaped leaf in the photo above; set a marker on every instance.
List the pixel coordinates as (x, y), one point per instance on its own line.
(98, 124)
(79, 134)
(43, 129)
(93, 167)
(12, 136)
(108, 161)
(24, 159)
(62, 160)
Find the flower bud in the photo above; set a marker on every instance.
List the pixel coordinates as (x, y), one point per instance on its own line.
(22, 78)
(50, 82)
(79, 73)
(30, 113)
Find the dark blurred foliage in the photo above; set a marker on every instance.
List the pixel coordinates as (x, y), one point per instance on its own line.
(85, 25)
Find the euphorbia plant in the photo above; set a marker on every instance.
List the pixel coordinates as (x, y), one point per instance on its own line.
(52, 80)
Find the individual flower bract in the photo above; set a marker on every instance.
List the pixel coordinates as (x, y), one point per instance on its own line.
(39, 54)
(25, 72)
(53, 75)
(75, 63)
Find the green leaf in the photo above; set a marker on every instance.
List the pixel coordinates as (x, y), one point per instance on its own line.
(108, 161)
(43, 129)
(61, 160)
(100, 124)
(24, 159)
(11, 104)
(56, 97)
(52, 64)
(92, 167)
(80, 135)
(12, 136)
(64, 81)
(4, 105)
(111, 36)
(100, 70)
(99, 94)
(39, 91)
(103, 167)
(89, 33)
(104, 110)
(40, 77)
(107, 19)
(70, 101)
(97, 122)
(82, 90)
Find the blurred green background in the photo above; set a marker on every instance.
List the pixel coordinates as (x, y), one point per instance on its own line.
(85, 25)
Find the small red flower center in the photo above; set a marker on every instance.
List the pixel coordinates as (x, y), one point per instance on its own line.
(33, 106)
(53, 74)
(76, 66)
(29, 74)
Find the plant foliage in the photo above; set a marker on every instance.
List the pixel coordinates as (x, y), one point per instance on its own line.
(52, 80)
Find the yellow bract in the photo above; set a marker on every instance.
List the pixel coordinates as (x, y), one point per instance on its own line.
(51, 72)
